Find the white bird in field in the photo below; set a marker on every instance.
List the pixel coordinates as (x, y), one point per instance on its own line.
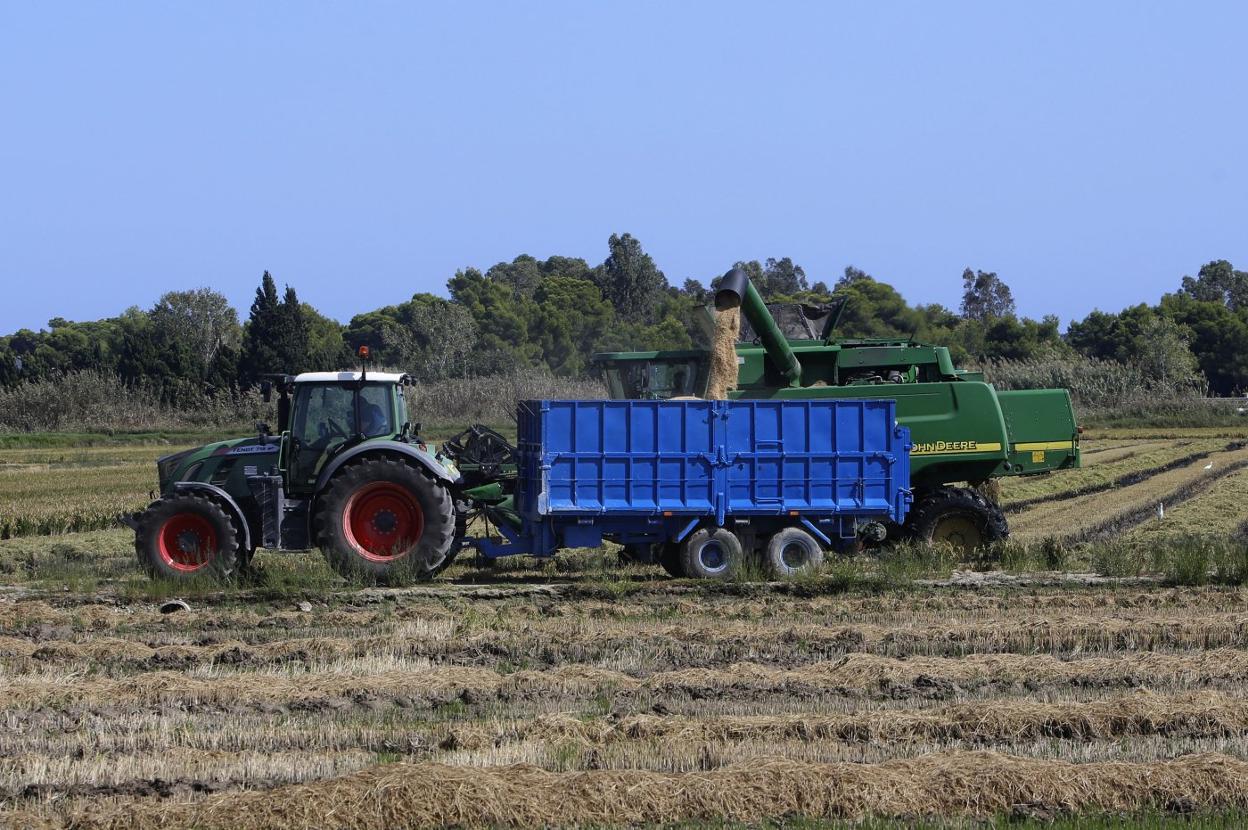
(1209, 466)
(1161, 511)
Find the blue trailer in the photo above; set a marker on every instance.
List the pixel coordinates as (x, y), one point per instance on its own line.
(703, 486)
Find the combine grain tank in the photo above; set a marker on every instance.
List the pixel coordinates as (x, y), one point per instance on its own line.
(704, 487)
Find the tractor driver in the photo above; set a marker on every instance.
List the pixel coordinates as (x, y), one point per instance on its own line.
(373, 420)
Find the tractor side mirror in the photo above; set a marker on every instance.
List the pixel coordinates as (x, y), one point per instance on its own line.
(266, 390)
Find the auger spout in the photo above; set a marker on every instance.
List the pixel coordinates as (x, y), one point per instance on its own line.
(736, 289)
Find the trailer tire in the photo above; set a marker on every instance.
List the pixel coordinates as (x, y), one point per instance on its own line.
(664, 554)
(185, 536)
(385, 521)
(711, 553)
(958, 516)
(669, 560)
(793, 552)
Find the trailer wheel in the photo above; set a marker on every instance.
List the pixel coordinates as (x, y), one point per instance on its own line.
(186, 536)
(793, 552)
(669, 560)
(957, 516)
(385, 521)
(664, 554)
(711, 553)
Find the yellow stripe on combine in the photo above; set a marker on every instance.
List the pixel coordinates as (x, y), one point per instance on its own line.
(1045, 445)
(955, 447)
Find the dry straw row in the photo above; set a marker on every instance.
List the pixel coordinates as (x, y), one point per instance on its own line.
(852, 674)
(672, 643)
(1201, 714)
(948, 784)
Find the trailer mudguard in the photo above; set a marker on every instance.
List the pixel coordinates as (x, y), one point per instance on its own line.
(421, 457)
(222, 496)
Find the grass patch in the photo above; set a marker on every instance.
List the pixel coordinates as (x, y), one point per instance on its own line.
(61, 440)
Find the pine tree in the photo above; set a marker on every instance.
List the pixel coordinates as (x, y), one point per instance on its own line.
(292, 339)
(263, 352)
(630, 279)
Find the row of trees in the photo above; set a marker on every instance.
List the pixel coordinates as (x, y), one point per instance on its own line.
(555, 313)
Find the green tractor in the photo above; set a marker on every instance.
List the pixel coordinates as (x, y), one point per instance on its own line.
(345, 472)
(965, 432)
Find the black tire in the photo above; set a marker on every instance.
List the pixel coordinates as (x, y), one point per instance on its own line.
(711, 553)
(463, 513)
(669, 560)
(636, 554)
(664, 554)
(793, 552)
(958, 516)
(187, 536)
(382, 520)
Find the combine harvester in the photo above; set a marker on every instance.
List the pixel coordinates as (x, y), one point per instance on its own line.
(965, 432)
(811, 451)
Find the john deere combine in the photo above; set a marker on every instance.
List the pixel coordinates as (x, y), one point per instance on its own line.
(965, 432)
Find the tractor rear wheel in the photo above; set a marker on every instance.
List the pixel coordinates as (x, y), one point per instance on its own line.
(957, 516)
(385, 521)
(185, 536)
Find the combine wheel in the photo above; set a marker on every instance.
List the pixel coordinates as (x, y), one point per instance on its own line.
(385, 521)
(186, 536)
(793, 552)
(957, 516)
(711, 553)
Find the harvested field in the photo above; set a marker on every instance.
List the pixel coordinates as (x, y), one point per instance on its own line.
(1095, 511)
(116, 714)
(1099, 476)
(581, 692)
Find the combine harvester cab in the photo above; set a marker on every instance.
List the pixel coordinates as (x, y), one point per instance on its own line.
(965, 432)
(705, 488)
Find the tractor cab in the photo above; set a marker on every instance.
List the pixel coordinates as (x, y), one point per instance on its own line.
(322, 414)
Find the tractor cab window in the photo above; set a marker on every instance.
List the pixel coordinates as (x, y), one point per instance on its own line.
(376, 411)
(325, 413)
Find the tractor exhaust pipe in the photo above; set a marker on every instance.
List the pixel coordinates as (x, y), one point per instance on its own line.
(735, 289)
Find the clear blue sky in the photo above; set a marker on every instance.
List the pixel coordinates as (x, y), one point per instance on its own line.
(1090, 153)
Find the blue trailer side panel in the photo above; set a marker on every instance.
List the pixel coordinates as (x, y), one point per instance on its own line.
(801, 455)
(648, 470)
(598, 456)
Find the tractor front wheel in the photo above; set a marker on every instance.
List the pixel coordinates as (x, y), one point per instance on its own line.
(187, 536)
(385, 521)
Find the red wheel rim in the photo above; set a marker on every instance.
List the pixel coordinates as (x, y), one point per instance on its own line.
(187, 542)
(383, 521)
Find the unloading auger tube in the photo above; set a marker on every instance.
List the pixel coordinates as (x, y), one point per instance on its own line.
(736, 289)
